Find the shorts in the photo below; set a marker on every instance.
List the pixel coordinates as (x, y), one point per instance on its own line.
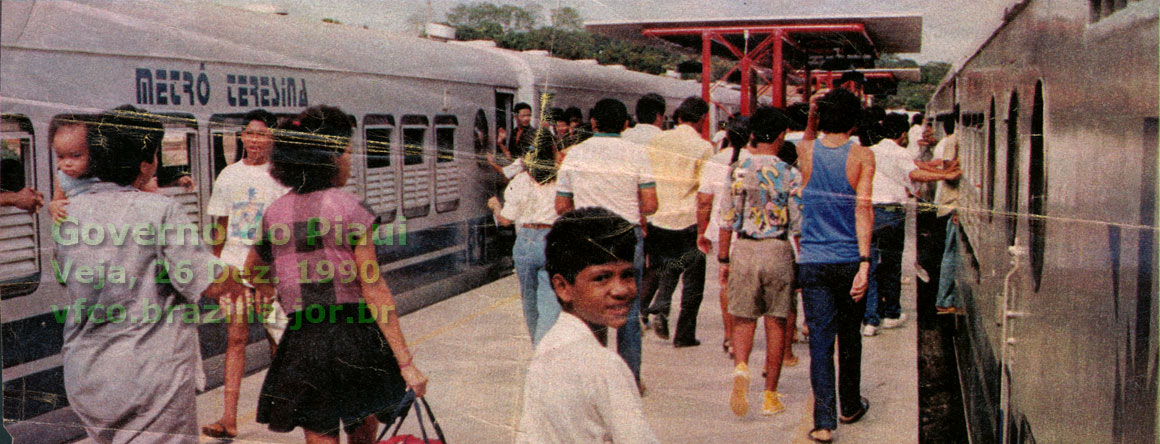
(273, 318)
(761, 278)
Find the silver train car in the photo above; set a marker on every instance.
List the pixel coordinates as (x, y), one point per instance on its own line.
(1057, 125)
(202, 67)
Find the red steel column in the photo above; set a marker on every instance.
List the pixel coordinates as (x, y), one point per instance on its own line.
(706, 76)
(746, 78)
(778, 89)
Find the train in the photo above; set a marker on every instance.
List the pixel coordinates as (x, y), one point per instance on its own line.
(1056, 116)
(425, 113)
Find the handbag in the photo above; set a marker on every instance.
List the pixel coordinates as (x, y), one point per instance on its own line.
(401, 415)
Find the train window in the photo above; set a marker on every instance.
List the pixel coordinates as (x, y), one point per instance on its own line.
(1012, 202)
(1037, 188)
(414, 136)
(445, 137)
(177, 147)
(378, 130)
(19, 261)
(481, 141)
(990, 169)
(225, 132)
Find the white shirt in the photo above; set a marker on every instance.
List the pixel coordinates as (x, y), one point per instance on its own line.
(605, 171)
(715, 180)
(528, 202)
(677, 156)
(242, 193)
(892, 167)
(947, 194)
(914, 135)
(580, 392)
(642, 133)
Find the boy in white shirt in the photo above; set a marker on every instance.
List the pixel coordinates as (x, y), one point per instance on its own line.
(577, 391)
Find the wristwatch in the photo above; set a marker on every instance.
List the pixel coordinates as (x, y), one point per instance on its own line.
(723, 260)
(863, 258)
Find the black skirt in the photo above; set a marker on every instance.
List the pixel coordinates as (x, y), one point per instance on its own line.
(330, 370)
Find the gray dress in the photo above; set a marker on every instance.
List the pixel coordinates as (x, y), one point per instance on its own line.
(129, 365)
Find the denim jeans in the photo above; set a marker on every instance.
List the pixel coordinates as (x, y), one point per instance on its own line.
(540, 305)
(673, 255)
(628, 337)
(930, 244)
(947, 294)
(830, 313)
(882, 296)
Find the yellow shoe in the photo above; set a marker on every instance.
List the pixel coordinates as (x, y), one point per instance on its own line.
(738, 401)
(772, 404)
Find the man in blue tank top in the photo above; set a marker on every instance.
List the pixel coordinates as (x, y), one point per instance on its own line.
(837, 221)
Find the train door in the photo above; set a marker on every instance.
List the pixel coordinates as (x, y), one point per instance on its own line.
(447, 175)
(19, 259)
(504, 102)
(177, 168)
(416, 167)
(381, 166)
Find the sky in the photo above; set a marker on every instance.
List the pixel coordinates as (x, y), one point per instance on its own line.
(952, 30)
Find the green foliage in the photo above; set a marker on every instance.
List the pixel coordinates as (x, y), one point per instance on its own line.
(514, 28)
(914, 95)
(567, 19)
(479, 15)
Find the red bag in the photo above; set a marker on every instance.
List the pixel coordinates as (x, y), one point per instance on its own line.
(401, 415)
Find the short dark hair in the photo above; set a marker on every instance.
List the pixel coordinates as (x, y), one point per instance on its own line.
(610, 115)
(586, 237)
(260, 115)
(554, 115)
(648, 107)
(573, 114)
(894, 125)
(307, 146)
(838, 111)
(852, 76)
(692, 109)
(541, 161)
(916, 119)
(737, 133)
(767, 123)
(521, 106)
(120, 140)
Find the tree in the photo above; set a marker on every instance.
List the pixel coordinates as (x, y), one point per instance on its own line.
(567, 19)
(914, 95)
(508, 17)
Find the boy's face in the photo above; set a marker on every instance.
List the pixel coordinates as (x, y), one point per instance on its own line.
(258, 141)
(601, 294)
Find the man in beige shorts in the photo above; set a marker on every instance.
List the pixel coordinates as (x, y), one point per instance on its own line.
(764, 209)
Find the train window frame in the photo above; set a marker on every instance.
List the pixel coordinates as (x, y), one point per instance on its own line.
(378, 122)
(411, 122)
(1037, 187)
(219, 124)
(190, 127)
(1011, 204)
(992, 153)
(22, 285)
(443, 123)
(481, 137)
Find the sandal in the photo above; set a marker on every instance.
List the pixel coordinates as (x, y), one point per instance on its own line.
(855, 417)
(727, 346)
(813, 437)
(217, 430)
(790, 361)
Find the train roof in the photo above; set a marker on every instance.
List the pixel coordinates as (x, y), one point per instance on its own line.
(552, 71)
(212, 33)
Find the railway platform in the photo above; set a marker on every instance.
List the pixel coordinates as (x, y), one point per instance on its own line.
(474, 348)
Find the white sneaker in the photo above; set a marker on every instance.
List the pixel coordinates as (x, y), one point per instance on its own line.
(869, 330)
(894, 323)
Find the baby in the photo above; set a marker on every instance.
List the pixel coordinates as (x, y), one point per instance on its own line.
(67, 135)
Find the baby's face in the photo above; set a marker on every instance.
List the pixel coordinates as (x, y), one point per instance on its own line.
(72, 151)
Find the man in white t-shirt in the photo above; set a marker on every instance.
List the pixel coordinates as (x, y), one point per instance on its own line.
(894, 175)
(650, 115)
(241, 194)
(606, 171)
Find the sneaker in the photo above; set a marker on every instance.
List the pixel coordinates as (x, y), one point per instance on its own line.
(894, 322)
(771, 405)
(869, 330)
(738, 400)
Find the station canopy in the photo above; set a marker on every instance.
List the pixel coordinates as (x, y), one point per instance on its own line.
(775, 52)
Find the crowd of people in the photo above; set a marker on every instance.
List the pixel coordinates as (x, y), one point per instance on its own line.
(609, 217)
